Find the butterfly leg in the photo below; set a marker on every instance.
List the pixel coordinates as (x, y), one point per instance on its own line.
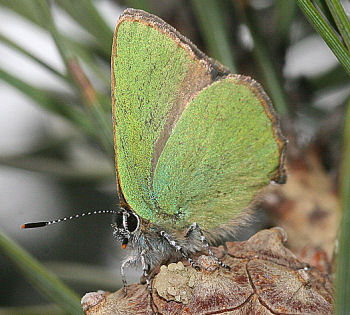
(130, 260)
(174, 244)
(145, 269)
(195, 227)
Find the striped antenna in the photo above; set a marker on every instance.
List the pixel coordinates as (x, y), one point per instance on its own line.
(45, 223)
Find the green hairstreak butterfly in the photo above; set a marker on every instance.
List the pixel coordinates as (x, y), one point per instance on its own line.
(194, 144)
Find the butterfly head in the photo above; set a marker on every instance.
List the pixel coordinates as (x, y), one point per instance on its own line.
(127, 224)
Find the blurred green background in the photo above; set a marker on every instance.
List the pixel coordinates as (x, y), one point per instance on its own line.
(56, 148)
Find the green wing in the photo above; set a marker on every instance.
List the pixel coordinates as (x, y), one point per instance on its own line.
(192, 144)
(155, 72)
(224, 149)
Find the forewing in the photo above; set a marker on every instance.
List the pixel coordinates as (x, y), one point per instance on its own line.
(225, 147)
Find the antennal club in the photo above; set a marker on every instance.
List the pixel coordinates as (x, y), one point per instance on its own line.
(45, 223)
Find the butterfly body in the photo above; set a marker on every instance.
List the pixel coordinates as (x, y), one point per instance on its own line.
(149, 242)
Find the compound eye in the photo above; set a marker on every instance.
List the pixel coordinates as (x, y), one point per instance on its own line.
(133, 222)
(119, 220)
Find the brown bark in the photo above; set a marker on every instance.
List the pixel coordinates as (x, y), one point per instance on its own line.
(265, 278)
